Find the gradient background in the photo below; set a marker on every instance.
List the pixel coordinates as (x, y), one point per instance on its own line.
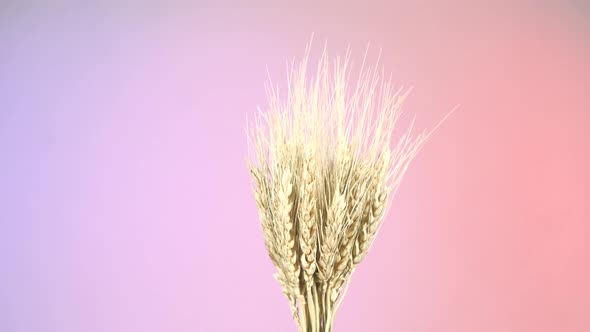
(125, 201)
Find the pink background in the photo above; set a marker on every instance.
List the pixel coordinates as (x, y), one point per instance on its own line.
(125, 201)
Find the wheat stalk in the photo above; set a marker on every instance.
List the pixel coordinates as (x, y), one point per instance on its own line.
(323, 175)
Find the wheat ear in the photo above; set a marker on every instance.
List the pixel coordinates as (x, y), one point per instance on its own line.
(307, 221)
(374, 209)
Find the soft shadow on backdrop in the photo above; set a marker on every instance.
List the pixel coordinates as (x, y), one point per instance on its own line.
(125, 200)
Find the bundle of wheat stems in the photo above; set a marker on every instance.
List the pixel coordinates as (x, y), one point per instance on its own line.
(323, 175)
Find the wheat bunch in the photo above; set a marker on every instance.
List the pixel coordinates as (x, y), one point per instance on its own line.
(324, 172)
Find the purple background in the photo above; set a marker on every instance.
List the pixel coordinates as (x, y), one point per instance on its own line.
(125, 200)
